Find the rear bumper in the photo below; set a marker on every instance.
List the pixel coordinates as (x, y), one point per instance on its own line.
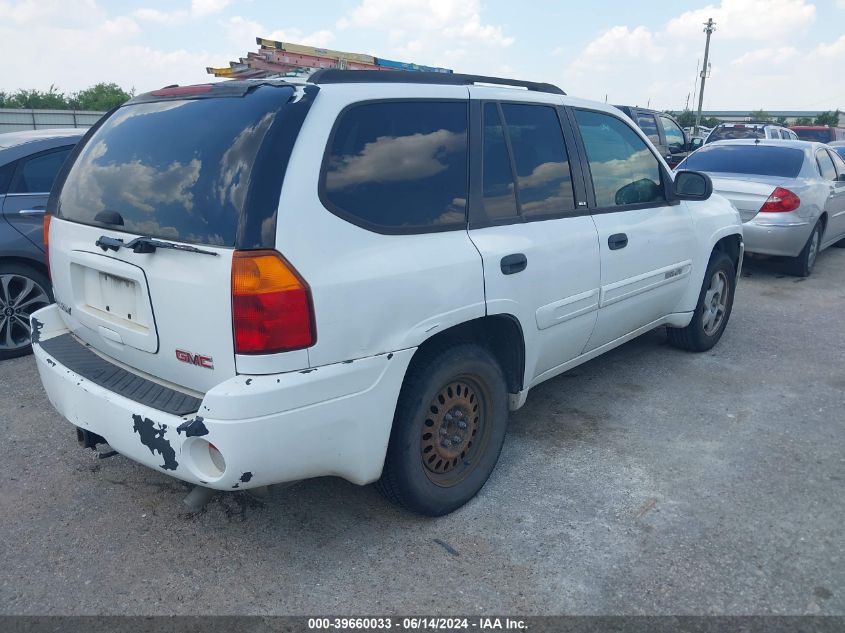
(782, 238)
(331, 420)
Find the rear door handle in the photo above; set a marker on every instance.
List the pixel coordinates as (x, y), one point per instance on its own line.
(617, 241)
(514, 263)
(33, 211)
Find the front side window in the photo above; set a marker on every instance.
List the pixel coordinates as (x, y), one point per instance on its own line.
(36, 174)
(623, 169)
(399, 165)
(544, 180)
(674, 135)
(838, 163)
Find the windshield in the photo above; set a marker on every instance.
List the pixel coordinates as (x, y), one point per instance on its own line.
(725, 132)
(759, 160)
(820, 135)
(180, 169)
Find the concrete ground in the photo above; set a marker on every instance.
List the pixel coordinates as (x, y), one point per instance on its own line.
(648, 481)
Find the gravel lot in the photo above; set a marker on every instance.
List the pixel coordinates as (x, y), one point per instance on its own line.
(647, 481)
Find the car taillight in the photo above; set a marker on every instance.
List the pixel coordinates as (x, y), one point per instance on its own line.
(781, 201)
(47, 218)
(271, 304)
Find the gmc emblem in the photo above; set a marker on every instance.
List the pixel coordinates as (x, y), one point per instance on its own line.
(200, 361)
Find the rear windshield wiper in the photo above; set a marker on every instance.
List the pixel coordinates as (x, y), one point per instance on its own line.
(145, 245)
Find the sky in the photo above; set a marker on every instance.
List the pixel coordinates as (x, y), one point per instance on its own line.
(769, 54)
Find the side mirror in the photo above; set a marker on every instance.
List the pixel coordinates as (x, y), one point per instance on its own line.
(692, 185)
(695, 143)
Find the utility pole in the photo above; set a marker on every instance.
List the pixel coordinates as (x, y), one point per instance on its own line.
(709, 27)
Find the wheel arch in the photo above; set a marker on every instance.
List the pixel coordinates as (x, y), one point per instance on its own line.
(501, 334)
(40, 266)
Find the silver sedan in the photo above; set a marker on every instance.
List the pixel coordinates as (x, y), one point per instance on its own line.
(790, 194)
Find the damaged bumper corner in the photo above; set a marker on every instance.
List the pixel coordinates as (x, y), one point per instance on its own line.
(332, 420)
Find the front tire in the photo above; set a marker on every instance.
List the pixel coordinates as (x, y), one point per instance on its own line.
(23, 290)
(802, 265)
(448, 430)
(715, 302)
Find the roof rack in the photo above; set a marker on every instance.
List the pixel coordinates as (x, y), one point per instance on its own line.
(334, 76)
(754, 123)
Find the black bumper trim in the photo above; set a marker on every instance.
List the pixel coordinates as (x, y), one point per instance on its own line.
(80, 359)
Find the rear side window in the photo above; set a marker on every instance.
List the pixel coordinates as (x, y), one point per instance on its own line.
(759, 160)
(399, 165)
(37, 173)
(674, 135)
(826, 167)
(623, 169)
(544, 180)
(6, 172)
(649, 126)
(204, 171)
(498, 180)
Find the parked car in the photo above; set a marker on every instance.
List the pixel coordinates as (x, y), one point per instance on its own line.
(664, 131)
(361, 274)
(838, 147)
(819, 133)
(29, 162)
(790, 194)
(750, 130)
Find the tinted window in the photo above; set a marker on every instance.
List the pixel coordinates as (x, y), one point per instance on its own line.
(840, 150)
(188, 169)
(498, 189)
(838, 163)
(542, 165)
(6, 172)
(674, 135)
(726, 132)
(760, 160)
(400, 164)
(820, 135)
(37, 173)
(623, 169)
(649, 126)
(825, 165)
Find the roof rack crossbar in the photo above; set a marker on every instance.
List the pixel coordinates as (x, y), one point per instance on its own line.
(335, 76)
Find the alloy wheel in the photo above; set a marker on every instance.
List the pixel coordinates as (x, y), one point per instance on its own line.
(20, 296)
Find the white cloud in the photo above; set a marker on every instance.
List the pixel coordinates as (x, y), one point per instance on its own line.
(208, 7)
(160, 17)
(619, 46)
(747, 19)
(657, 66)
(243, 31)
(426, 31)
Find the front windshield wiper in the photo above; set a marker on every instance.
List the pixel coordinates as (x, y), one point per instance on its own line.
(145, 245)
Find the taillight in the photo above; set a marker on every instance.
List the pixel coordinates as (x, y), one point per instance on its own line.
(47, 218)
(781, 201)
(271, 304)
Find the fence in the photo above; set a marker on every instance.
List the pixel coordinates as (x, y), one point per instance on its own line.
(14, 119)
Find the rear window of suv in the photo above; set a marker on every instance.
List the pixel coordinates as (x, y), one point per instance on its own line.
(192, 170)
(399, 166)
(759, 160)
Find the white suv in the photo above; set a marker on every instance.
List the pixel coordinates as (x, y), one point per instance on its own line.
(360, 275)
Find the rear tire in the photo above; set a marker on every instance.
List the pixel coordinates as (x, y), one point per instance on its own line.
(715, 302)
(23, 290)
(448, 430)
(802, 265)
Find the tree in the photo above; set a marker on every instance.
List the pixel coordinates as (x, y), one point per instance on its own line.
(710, 121)
(102, 96)
(830, 119)
(803, 120)
(781, 120)
(760, 115)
